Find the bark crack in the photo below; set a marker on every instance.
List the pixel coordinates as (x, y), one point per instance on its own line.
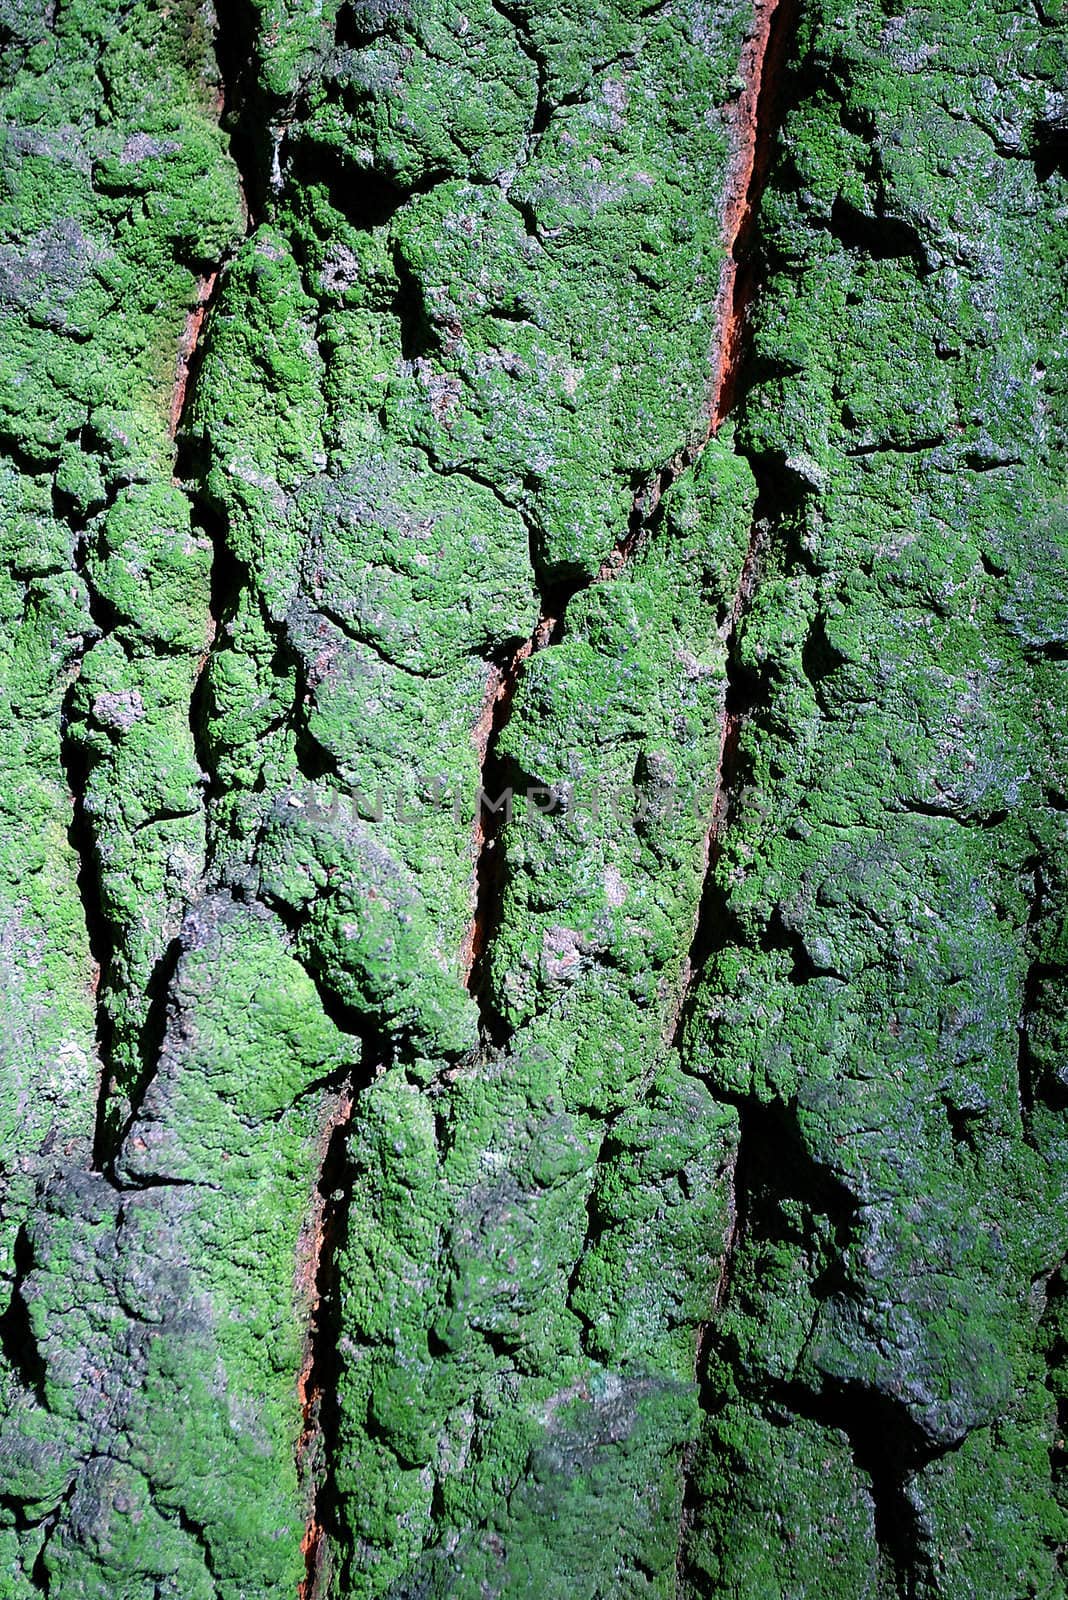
(189, 347)
(77, 763)
(108, 1139)
(317, 1383)
(77, 766)
(755, 124)
(756, 119)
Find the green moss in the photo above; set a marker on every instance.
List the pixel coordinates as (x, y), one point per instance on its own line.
(728, 1280)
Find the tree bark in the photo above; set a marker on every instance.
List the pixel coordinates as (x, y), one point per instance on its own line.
(533, 638)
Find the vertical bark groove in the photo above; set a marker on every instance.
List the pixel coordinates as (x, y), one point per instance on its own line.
(754, 132)
(317, 1382)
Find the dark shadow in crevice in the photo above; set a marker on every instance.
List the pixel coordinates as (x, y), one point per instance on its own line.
(1049, 650)
(775, 1165)
(777, 936)
(887, 1446)
(819, 657)
(1044, 982)
(246, 110)
(964, 1122)
(543, 106)
(78, 762)
(229, 578)
(1054, 1347)
(322, 1409)
(889, 1449)
(1050, 148)
(499, 777)
(17, 1340)
(326, 1536)
(376, 1045)
(880, 238)
(780, 510)
(40, 1576)
(366, 197)
(348, 34)
(150, 1044)
(598, 1221)
(418, 337)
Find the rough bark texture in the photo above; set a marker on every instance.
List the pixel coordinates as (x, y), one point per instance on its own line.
(658, 1188)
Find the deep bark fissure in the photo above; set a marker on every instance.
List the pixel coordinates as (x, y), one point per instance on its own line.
(763, 59)
(490, 815)
(317, 1386)
(596, 1221)
(323, 1235)
(1055, 1351)
(757, 116)
(99, 933)
(244, 113)
(740, 699)
(107, 1138)
(17, 1340)
(150, 1044)
(756, 120)
(367, 200)
(191, 348)
(235, 29)
(543, 106)
(690, 1500)
(229, 578)
(501, 689)
(77, 763)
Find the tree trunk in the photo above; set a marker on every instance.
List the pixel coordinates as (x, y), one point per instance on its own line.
(535, 799)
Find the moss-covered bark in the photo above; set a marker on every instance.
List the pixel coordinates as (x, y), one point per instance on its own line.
(532, 895)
